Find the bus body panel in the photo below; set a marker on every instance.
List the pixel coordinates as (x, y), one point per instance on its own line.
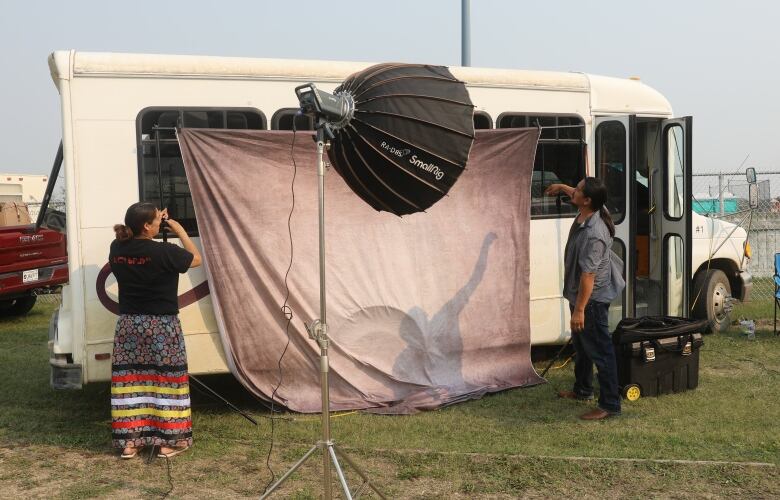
(102, 96)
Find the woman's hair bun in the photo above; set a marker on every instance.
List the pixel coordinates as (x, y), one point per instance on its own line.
(123, 232)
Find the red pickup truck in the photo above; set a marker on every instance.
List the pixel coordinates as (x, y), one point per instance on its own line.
(31, 262)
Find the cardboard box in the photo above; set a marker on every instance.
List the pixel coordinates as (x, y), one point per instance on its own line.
(14, 214)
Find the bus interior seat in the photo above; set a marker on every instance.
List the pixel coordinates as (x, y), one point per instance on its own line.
(168, 119)
(237, 120)
(196, 119)
(642, 231)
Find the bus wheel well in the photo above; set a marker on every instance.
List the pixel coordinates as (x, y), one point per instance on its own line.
(729, 268)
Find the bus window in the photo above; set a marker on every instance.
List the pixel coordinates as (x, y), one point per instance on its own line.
(610, 165)
(283, 120)
(482, 120)
(675, 273)
(157, 139)
(675, 172)
(560, 158)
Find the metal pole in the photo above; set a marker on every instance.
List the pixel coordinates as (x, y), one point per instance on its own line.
(720, 194)
(159, 167)
(747, 240)
(321, 175)
(322, 339)
(163, 228)
(465, 33)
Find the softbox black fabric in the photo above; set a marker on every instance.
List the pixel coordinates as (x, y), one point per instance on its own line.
(410, 136)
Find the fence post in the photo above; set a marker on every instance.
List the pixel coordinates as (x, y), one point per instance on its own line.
(720, 194)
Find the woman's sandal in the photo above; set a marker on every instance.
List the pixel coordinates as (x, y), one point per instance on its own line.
(176, 451)
(127, 456)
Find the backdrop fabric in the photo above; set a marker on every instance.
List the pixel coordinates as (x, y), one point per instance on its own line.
(423, 311)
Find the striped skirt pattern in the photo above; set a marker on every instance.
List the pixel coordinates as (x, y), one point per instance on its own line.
(150, 391)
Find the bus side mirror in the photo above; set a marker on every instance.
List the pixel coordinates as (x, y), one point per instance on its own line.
(750, 173)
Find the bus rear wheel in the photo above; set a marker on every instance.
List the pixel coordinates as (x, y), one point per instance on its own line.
(712, 293)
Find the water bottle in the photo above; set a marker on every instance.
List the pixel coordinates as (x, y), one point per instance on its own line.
(748, 328)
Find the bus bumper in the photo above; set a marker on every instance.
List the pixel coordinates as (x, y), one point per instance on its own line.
(64, 373)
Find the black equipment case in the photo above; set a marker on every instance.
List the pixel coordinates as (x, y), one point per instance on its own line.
(657, 355)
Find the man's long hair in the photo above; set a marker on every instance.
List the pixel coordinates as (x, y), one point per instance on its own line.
(594, 189)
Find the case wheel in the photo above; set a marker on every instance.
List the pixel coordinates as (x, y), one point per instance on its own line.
(632, 392)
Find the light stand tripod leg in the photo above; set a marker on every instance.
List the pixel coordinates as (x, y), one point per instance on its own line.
(287, 474)
(360, 473)
(340, 473)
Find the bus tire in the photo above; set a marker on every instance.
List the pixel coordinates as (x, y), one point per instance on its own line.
(711, 290)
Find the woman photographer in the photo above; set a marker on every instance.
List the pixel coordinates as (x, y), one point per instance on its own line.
(150, 401)
(592, 279)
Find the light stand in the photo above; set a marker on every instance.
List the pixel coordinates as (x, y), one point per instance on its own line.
(318, 331)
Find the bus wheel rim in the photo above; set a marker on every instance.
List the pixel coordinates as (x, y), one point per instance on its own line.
(718, 302)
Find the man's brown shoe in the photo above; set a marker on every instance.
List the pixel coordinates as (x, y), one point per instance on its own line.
(574, 395)
(596, 414)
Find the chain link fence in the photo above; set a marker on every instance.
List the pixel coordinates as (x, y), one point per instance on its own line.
(725, 196)
(50, 298)
(34, 208)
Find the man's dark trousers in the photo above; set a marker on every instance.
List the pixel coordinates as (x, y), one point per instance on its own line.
(593, 345)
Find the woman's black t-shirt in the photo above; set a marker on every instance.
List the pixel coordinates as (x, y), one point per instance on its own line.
(148, 275)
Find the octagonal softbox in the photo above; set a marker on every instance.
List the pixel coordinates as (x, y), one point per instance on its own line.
(409, 138)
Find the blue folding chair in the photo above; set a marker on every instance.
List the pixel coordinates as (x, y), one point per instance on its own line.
(777, 287)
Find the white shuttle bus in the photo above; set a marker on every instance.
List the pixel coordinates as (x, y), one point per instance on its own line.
(119, 110)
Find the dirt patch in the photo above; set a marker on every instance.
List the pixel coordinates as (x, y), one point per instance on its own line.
(49, 472)
(234, 468)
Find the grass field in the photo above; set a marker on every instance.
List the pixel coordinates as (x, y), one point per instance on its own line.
(720, 440)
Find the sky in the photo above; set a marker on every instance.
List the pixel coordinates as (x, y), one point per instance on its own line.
(714, 60)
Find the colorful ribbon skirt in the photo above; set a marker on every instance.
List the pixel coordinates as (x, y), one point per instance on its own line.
(150, 391)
